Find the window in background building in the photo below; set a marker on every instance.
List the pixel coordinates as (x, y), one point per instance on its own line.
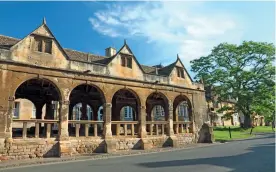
(183, 110)
(159, 111)
(34, 112)
(16, 110)
(128, 112)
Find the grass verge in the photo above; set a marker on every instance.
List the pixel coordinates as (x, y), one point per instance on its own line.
(222, 133)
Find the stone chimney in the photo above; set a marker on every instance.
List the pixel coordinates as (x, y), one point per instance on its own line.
(109, 52)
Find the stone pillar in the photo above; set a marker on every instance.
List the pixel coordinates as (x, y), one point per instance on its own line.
(49, 111)
(48, 115)
(142, 122)
(6, 114)
(170, 120)
(176, 119)
(84, 111)
(38, 110)
(63, 120)
(110, 144)
(65, 148)
(107, 120)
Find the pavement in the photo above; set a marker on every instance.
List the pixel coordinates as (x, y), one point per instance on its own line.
(251, 155)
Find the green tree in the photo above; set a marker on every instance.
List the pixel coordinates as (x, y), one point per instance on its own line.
(243, 72)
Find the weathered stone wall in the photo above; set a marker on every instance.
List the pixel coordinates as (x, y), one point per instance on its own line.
(128, 143)
(185, 139)
(199, 112)
(82, 146)
(160, 141)
(31, 148)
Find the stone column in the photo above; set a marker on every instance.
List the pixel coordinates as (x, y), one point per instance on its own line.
(110, 144)
(49, 114)
(65, 148)
(170, 120)
(84, 111)
(176, 119)
(142, 122)
(6, 114)
(63, 120)
(107, 120)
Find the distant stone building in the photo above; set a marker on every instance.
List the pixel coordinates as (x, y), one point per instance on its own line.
(80, 103)
(219, 118)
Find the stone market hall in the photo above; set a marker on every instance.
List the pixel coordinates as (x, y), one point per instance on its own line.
(62, 102)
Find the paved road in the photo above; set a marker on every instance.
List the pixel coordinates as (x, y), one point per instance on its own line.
(254, 155)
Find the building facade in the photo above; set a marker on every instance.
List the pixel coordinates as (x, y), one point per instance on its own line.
(84, 95)
(219, 118)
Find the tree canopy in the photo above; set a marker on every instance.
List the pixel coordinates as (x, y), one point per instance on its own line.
(243, 72)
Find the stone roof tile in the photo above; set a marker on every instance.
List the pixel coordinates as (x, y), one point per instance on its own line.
(7, 42)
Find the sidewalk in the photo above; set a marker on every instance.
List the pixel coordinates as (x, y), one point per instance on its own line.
(54, 160)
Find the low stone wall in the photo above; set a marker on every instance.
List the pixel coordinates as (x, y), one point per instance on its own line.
(29, 148)
(160, 141)
(82, 146)
(39, 148)
(185, 139)
(128, 143)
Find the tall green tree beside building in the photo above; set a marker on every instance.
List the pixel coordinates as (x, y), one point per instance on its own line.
(243, 72)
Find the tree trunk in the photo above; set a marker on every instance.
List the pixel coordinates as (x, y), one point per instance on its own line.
(247, 122)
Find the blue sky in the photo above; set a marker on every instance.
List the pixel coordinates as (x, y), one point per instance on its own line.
(155, 31)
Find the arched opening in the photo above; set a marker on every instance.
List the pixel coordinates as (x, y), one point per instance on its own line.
(183, 111)
(124, 98)
(157, 111)
(182, 114)
(36, 99)
(157, 107)
(85, 103)
(125, 103)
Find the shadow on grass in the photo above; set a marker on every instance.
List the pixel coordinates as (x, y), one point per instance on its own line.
(246, 162)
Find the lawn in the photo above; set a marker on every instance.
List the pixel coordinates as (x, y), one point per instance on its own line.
(222, 133)
(262, 129)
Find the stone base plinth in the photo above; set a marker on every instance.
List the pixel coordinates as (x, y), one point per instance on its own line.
(110, 146)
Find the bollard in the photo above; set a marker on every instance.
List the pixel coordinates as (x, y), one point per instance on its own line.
(230, 133)
(251, 130)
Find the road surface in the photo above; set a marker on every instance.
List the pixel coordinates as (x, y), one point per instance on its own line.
(253, 155)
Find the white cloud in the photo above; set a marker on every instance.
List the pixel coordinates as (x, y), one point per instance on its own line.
(179, 27)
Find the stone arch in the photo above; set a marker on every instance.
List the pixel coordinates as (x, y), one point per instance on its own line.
(28, 78)
(125, 97)
(154, 99)
(87, 94)
(40, 91)
(178, 101)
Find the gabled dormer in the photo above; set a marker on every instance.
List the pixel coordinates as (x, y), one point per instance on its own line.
(124, 63)
(179, 74)
(40, 48)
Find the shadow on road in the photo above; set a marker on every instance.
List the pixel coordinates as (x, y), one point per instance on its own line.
(247, 162)
(257, 137)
